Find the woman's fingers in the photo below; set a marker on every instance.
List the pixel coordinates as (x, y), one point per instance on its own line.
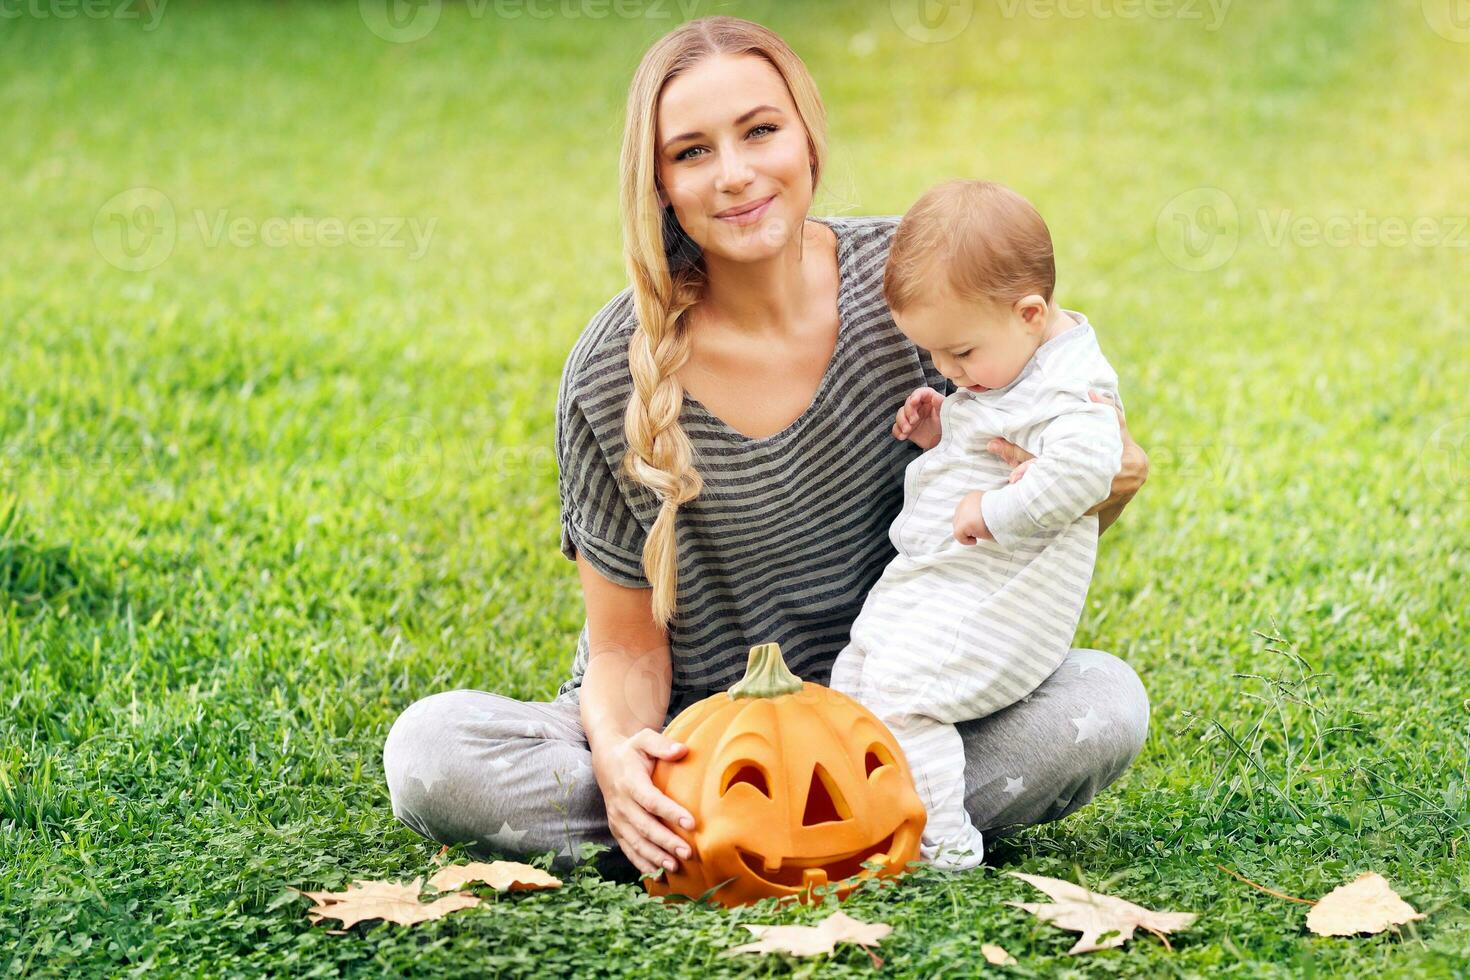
(646, 862)
(1134, 469)
(655, 802)
(650, 839)
(633, 833)
(1008, 451)
(1107, 399)
(632, 847)
(657, 744)
(664, 842)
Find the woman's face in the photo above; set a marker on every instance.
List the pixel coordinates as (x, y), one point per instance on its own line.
(729, 140)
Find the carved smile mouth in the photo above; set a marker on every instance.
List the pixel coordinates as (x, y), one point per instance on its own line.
(809, 872)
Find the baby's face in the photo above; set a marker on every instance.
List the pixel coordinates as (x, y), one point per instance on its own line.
(977, 345)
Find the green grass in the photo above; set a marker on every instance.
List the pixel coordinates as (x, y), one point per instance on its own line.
(255, 500)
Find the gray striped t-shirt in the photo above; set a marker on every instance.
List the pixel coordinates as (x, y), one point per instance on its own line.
(791, 530)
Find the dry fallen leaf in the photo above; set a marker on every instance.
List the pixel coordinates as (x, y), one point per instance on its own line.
(1367, 904)
(814, 940)
(384, 900)
(1091, 914)
(996, 956)
(500, 875)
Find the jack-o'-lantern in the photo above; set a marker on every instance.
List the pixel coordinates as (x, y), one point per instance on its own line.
(791, 785)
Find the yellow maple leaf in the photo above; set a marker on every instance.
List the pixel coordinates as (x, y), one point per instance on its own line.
(1093, 915)
(1366, 904)
(500, 875)
(384, 900)
(815, 940)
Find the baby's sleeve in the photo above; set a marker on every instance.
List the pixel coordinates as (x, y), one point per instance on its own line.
(596, 518)
(1079, 452)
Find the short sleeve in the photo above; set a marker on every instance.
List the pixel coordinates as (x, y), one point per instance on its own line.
(596, 519)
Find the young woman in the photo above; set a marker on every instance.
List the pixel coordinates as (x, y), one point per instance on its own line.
(729, 472)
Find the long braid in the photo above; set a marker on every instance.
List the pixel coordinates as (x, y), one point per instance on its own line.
(660, 455)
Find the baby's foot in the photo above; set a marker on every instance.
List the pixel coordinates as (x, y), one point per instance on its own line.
(961, 855)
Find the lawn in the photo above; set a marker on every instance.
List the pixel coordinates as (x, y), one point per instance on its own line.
(282, 314)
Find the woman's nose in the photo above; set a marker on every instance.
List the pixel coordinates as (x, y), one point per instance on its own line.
(735, 172)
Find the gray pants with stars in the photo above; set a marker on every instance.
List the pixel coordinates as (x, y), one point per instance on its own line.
(514, 778)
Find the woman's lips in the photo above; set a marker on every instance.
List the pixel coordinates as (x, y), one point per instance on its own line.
(749, 217)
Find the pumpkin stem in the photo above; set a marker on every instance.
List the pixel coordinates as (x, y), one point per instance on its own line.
(766, 675)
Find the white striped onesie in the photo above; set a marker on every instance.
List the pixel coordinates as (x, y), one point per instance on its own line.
(952, 632)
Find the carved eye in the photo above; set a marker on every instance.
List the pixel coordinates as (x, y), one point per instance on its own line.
(877, 757)
(746, 772)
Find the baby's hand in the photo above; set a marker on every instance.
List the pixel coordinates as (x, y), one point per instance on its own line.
(969, 520)
(918, 419)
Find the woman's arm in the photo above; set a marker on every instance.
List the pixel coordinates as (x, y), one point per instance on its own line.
(623, 697)
(1131, 475)
(629, 675)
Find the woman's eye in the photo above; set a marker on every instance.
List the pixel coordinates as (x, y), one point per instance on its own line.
(684, 155)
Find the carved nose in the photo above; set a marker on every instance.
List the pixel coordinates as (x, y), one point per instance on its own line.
(824, 802)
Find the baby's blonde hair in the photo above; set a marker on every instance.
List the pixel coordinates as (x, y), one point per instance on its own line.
(984, 239)
(668, 273)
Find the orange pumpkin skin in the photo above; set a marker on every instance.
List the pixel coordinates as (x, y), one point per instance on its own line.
(837, 792)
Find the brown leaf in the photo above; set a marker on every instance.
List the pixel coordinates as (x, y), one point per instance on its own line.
(500, 875)
(1367, 904)
(1091, 914)
(384, 900)
(815, 940)
(996, 956)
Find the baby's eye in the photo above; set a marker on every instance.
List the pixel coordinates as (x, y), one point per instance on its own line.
(966, 353)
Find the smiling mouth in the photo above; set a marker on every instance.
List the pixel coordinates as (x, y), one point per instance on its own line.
(746, 211)
(809, 872)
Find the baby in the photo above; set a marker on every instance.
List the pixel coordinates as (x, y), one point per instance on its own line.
(981, 602)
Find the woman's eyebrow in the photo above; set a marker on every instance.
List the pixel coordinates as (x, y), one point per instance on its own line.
(742, 118)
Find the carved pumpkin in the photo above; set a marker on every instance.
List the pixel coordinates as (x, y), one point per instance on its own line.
(791, 785)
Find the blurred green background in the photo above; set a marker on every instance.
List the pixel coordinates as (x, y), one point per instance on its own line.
(286, 295)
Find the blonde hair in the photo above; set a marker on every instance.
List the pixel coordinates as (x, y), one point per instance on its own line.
(989, 242)
(668, 274)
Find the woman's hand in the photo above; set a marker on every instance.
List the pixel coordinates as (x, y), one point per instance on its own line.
(918, 419)
(1131, 475)
(635, 807)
